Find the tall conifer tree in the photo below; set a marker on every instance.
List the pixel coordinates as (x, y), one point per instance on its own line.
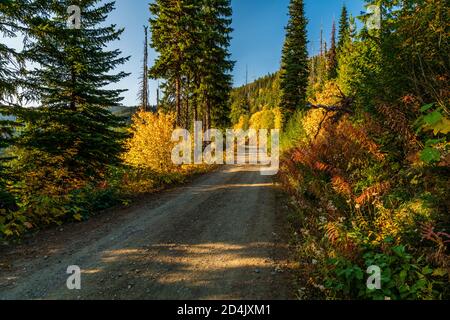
(13, 14)
(73, 123)
(192, 38)
(216, 81)
(294, 68)
(171, 28)
(344, 28)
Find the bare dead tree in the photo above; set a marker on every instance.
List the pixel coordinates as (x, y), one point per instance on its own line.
(144, 94)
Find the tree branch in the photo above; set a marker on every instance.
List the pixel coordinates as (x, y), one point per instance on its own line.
(344, 107)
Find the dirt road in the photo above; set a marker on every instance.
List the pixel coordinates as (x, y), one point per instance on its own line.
(215, 238)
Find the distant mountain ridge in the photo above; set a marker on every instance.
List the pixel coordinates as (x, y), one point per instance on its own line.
(120, 111)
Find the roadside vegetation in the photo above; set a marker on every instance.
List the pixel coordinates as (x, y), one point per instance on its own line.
(64, 156)
(366, 163)
(365, 130)
(366, 156)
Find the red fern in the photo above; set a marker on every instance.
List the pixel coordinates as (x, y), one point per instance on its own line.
(370, 193)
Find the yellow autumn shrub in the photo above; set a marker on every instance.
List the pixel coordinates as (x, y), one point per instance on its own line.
(311, 122)
(242, 124)
(150, 146)
(267, 119)
(329, 95)
(278, 118)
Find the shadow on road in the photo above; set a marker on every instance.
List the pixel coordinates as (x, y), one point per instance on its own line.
(213, 239)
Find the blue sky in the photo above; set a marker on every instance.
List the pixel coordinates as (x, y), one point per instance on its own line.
(257, 38)
(259, 31)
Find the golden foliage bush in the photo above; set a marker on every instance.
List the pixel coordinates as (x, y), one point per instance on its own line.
(278, 118)
(329, 95)
(243, 123)
(150, 146)
(149, 155)
(311, 122)
(267, 119)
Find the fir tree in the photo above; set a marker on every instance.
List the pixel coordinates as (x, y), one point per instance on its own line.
(11, 14)
(344, 28)
(8, 30)
(192, 39)
(294, 68)
(172, 28)
(192, 64)
(73, 123)
(216, 81)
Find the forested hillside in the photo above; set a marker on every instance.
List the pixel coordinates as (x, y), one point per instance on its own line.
(257, 104)
(254, 97)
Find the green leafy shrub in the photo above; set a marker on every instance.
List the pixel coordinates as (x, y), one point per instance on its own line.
(434, 120)
(354, 190)
(403, 277)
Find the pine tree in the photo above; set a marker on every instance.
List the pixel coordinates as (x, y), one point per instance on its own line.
(294, 68)
(216, 81)
(192, 64)
(7, 29)
(9, 25)
(331, 55)
(172, 27)
(344, 28)
(192, 38)
(11, 14)
(73, 124)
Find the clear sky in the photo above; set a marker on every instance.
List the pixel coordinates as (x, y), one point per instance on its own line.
(257, 38)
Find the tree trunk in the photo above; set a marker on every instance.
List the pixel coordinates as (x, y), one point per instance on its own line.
(187, 113)
(178, 99)
(204, 121)
(145, 103)
(208, 115)
(73, 104)
(195, 100)
(195, 111)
